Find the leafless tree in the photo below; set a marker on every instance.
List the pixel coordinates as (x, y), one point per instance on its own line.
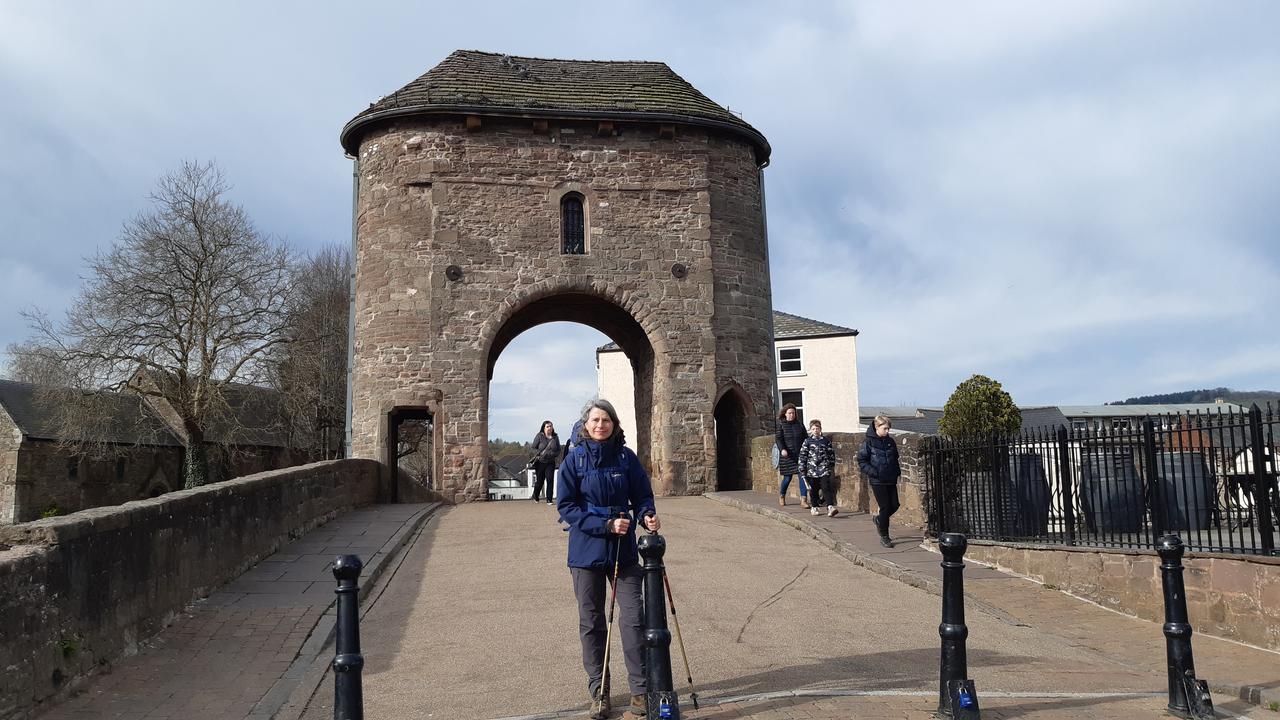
(311, 372)
(414, 452)
(189, 301)
(30, 362)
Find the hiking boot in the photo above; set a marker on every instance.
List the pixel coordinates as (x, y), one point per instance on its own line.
(638, 706)
(599, 708)
(832, 511)
(815, 511)
(885, 541)
(804, 501)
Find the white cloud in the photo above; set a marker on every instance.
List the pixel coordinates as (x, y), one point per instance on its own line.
(1073, 197)
(546, 373)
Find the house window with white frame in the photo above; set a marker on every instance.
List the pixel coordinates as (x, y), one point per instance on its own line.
(789, 361)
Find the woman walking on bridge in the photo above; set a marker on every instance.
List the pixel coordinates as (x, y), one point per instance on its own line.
(789, 437)
(546, 446)
(603, 491)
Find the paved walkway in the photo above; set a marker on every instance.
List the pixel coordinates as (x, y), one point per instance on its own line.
(478, 623)
(237, 653)
(474, 619)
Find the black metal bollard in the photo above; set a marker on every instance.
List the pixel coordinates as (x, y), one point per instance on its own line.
(348, 699)
(1188, 697)
(957, 697)
(660, 700)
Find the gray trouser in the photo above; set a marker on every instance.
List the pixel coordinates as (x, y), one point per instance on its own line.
(590, 588)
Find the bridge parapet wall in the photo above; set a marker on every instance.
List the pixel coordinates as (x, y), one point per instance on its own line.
(1231, 596)
(81, 590)
(852, 490)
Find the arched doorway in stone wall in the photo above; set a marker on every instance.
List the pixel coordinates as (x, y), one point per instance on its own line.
(733, 464)
(604, 316)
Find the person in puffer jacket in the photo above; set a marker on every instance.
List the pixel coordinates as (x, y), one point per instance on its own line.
(818, 465)
(878, 459)
(788, 437)
(603, 494)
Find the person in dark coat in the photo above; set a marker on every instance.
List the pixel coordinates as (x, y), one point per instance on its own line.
(878, 459)
(572, 440)
(604, 494)
(546, 448)
(789, 437)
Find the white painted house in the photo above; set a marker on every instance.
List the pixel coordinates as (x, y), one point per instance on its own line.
(816, 364)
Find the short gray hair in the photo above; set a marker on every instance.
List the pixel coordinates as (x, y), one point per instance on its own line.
(604, 405)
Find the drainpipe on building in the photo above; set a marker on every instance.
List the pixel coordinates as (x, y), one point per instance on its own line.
(773, 353)
(351, 300)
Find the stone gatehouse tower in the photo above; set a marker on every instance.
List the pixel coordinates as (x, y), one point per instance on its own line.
(496, 193)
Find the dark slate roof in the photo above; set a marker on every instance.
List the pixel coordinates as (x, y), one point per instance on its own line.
(788, 326)
(474, 82)
(785, 327)
(867, 413)
(922, 425)
(256, 418)
(513, 465)
(925, 420)
(1049, 417)
(124, 417)
(250, 415)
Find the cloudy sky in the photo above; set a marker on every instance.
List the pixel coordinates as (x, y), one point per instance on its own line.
(1079, 199)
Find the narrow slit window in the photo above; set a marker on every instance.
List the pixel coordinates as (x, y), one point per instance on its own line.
(573, 229)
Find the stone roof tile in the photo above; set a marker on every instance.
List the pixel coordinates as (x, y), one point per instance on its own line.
(786, 325)
(493, 83)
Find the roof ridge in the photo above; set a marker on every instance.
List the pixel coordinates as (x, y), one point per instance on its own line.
(517, 86)
(572, 60)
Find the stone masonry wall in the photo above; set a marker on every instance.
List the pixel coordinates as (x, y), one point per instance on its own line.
(84, 589)
(433, 194)
(46, 481)
(10, 440)
(742, 291)
(853, 492)
(1227, 596)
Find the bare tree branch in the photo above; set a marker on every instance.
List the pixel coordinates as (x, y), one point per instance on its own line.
(189, 301)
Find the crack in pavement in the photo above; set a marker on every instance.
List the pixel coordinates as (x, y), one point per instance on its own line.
(769, 601)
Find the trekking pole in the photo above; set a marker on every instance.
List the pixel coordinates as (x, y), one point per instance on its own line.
(671, 601)
(598, 711)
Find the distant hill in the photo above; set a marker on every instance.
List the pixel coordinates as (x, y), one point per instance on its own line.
(1240, 397)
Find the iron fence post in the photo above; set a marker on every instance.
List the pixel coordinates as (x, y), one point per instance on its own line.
(997, 487)
(956, 695)
(1188, 697)
(348, 700)
(660, 699)
(1155, 482)
(939, 485)
(1066, 485)
(1261, 483)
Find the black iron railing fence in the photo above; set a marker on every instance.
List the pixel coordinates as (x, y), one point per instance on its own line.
(1211, 477)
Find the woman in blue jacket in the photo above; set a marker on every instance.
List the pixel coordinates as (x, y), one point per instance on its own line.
(603, 490)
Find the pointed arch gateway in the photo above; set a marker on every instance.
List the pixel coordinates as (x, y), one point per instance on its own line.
(472, 182)
(733, 444)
